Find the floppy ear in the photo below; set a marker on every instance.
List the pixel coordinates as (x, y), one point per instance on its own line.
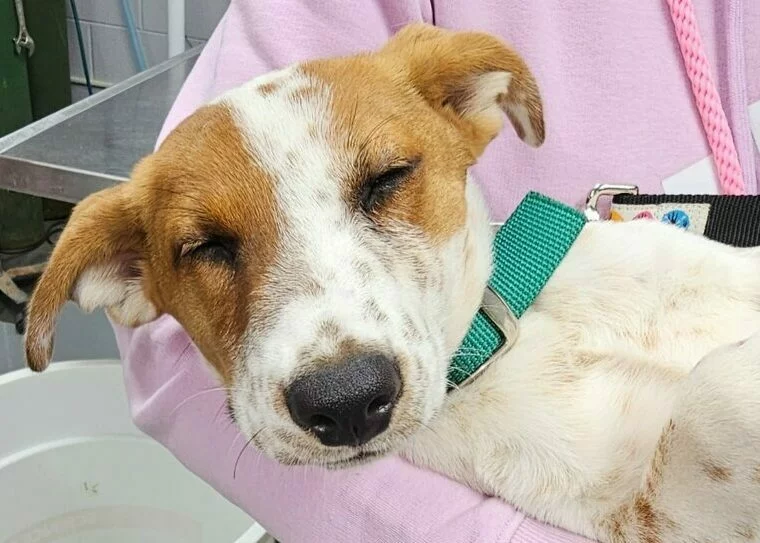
(97, 262)
(474, 79)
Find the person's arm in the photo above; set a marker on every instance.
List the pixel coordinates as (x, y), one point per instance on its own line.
(176, 400)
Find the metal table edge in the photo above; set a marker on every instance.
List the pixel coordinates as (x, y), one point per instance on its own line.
(19, 136)
(52, 181)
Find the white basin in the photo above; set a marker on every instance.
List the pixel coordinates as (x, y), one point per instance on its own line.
(73, 468)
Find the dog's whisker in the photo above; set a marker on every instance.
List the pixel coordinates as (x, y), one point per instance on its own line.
(460, 370)
(237, 461)
(199, 394)
(221, 408)
(452, 384)
(430, 428)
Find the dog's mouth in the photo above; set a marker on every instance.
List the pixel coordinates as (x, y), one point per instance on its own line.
(360, 458)
(301, 447)
(294, 455)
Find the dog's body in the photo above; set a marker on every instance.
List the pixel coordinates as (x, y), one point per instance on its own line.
(597, 419)
(316, 233)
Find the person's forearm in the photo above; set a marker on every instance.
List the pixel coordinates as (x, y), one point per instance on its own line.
(176, 400)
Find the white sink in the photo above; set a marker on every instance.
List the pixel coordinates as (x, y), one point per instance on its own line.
(73, 468)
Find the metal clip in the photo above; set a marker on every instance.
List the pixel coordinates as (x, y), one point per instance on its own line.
(23, 40)
(505, 321)
(592, 202)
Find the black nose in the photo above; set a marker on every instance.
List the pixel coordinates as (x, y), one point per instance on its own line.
(347, 403)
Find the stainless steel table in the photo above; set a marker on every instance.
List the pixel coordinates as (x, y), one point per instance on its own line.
(93, 143)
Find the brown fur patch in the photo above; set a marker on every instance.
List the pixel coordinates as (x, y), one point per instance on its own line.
(587, 359)
(310, 287)
(376, 125)
(516, 123)
(407, 103)
(747, 532)
(720, 474)
(640, 516)
(647, 520)
(373, 311)
(203, 177)
(660, 459)
(303, 94)
(756, 475)
(329, 329)
(411, 332)
(201, 184)
(101, 230)
(363, 269)
(268, 88)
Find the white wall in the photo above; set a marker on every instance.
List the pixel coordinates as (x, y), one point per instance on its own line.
(107, 45)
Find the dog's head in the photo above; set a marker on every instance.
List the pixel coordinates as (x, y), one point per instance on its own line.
(315, 233)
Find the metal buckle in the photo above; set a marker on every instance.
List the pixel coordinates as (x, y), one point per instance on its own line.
(592, 202)
(505, 321)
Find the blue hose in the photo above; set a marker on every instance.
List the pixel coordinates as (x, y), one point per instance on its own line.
(133, 37)
(82, 54)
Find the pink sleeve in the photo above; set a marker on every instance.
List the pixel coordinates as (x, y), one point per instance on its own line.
(176, 400)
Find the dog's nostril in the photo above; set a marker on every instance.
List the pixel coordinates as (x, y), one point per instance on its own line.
(379, 406)
(347, 403)
(321, 423)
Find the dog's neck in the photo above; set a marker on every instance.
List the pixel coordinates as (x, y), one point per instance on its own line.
(468, 282)
(526, 251)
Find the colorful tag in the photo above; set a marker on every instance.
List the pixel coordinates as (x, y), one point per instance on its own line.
(690, 217)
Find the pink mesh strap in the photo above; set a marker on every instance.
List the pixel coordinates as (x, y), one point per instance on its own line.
(706, 97)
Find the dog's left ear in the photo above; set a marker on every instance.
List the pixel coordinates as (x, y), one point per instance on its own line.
(472, 78)
(98, 262)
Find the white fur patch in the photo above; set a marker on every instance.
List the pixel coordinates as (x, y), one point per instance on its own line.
(108, 287)
(484, 93)
(520, 114)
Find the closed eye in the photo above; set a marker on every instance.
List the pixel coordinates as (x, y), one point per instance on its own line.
(213, 249)
(376, 190)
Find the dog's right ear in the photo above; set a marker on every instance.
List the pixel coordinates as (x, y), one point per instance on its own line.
(474, 79)
(99, 261)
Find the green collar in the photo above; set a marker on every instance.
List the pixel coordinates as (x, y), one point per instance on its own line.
(527, 250)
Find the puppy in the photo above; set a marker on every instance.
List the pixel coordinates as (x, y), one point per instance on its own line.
(317, 234)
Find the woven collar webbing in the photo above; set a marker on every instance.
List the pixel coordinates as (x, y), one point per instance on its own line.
(526, 251)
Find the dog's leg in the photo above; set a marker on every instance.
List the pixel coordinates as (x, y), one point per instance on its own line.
(704, 480)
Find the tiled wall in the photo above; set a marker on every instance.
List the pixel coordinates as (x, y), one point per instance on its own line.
(107, 45)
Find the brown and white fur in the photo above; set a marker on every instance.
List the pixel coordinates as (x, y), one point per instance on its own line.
(327, 208)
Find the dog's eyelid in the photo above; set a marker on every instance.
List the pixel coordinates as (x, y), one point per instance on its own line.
(187, 247)
(190, 246)
(399, 164)
(396, 169)
(379, 186)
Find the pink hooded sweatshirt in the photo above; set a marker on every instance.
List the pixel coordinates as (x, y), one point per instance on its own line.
(619, 108)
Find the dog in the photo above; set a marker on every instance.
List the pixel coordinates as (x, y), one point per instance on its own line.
(317, 234)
